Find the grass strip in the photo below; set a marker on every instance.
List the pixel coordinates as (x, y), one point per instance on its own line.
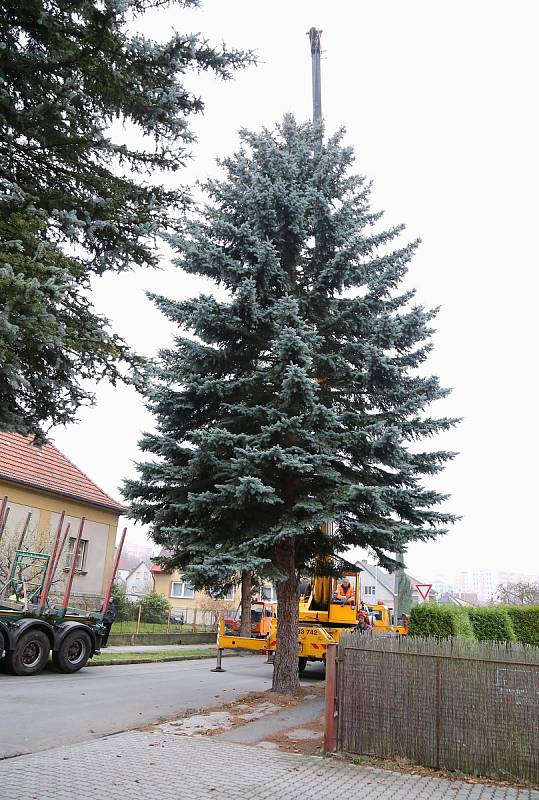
(107, 659)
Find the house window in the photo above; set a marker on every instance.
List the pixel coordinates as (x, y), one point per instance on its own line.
(228, 595)
(369, 590)
(81, 555)
(181, 589)
(269, 594)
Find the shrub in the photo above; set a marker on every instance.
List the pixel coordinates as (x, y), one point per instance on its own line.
(440, 621)
(155, 608)
(124, 608)
(525, 621)
(492, 623)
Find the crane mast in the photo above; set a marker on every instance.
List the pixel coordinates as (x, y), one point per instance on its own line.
(315, 35)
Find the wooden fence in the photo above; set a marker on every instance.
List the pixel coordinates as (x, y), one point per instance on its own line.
(455, 705)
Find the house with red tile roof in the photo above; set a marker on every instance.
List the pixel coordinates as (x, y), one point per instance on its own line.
(40, 484)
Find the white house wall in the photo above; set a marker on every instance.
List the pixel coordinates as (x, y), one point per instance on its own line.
(138, 583)
(382, 594)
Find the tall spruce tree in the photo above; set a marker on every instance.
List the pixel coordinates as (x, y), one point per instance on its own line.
(50, 337)
(68, 69)
(297, 401)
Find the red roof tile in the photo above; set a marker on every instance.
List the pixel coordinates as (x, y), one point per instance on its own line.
(157, 567)
(46, 468)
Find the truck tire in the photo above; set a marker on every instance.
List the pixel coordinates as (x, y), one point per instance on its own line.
(74, 652)
(302, 663)
(30, 654)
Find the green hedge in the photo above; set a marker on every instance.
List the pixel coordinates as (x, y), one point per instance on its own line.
(525, 621)
(488, 623)
(492, 623)
(430, 619)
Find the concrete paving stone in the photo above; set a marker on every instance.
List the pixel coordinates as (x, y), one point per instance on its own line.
(302, 734)
(268, 745)
(202, 767)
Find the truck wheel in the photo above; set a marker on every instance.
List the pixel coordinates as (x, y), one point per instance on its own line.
(30, 655)
(302, 663)
(73, 653)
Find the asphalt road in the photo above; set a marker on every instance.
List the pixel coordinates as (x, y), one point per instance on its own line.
(51, 709)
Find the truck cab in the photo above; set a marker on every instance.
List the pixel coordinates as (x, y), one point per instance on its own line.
(382, 619)
(262, 614)
(319, 603)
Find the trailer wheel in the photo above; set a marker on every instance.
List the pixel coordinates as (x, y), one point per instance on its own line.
(73, 653)
(302, 663)
(30, 654)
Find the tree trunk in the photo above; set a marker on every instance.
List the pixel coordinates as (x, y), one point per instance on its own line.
(245, 627)
(285, 670)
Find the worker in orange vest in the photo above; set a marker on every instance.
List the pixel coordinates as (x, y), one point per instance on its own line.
(345, 594)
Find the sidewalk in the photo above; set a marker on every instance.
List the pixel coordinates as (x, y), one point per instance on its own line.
(153, 648)
(153, 765)
(286, 719)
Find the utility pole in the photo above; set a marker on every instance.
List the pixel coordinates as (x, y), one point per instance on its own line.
(396, 611)
(315, 35)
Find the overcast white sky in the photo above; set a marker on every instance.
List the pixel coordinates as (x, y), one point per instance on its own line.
(440, 104)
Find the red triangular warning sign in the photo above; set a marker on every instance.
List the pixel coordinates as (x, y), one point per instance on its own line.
(423, 589)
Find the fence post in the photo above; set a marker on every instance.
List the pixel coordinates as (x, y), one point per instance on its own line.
(438, 709)
(331, 684)
(194, 620)
(138, 618)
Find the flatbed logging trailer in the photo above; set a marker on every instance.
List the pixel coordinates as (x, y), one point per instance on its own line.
(321, 621)
(31, 628)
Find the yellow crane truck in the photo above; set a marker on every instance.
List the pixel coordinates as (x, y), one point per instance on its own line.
(322, 619)
(381, 619)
